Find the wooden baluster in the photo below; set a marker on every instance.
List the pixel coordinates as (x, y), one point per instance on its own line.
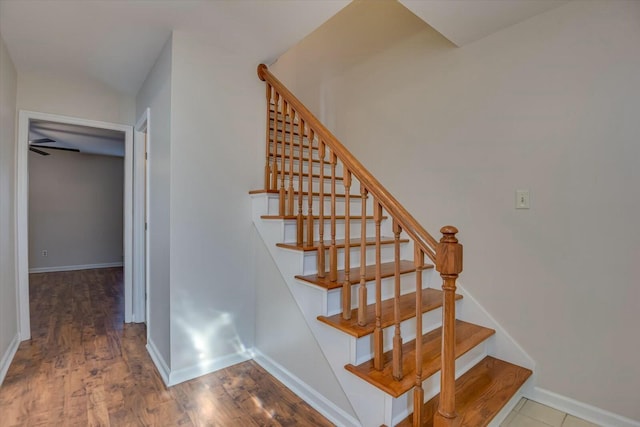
(362, 289)
(333, 250)
(281, 199)
(346, 285)
(300, 219)
(378, 343)
(418, 391)
(397, 336)
(274, 170)
(321, 248)
(449, 264)
(290, 206)
(267, 165)
(310, 189)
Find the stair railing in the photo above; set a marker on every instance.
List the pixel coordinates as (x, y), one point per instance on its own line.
(288, 121)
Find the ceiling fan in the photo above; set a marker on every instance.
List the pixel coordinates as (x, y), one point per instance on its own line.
(35, 144)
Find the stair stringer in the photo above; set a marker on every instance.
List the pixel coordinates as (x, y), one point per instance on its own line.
(368, 402)
(372, 406)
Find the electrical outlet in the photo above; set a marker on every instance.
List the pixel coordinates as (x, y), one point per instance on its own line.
(45, 253)
(522, 199)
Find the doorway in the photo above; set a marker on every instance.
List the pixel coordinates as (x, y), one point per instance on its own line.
(141, 148)
(22, 210)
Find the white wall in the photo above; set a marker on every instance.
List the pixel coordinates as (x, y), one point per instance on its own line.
(216, 123)
(282, 332)
(86, 99)
(8, 303)
(155, 94)
(75, 210)
(548, 105)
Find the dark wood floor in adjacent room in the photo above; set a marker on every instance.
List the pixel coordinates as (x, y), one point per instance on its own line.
(84, 367)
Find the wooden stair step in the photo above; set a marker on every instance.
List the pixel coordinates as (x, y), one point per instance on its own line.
(431, 299)
(316, 217)
(296, 143)
(296, 157)
(327, 195)
(480, 393)
(340, 243)
(468, 336)
(387, 270)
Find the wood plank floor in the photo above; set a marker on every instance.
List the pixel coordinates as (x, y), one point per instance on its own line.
(84, 367)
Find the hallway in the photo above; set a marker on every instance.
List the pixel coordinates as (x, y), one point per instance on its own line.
(84, 367)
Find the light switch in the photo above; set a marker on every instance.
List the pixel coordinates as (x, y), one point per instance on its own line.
(522, 199)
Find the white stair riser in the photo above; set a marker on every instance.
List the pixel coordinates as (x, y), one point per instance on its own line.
(387, 285)
(315, 166)
(290, 229)
(386, 255)
(364, 345)
(274, 201)
(354, 191)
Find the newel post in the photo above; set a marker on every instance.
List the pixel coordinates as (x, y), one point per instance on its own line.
(449, 264)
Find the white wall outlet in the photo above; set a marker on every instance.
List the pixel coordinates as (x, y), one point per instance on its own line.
(522, 199)
(45, 253)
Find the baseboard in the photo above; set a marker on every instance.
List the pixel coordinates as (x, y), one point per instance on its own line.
(157, 359)
(75, 267)
(580, 409)
(206, 367)
(7, 357)
(316, 400)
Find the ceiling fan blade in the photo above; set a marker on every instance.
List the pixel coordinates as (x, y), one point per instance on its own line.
(57, 148)
(42, 153)
(42, 141)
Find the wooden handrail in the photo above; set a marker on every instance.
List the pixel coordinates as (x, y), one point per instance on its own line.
(407, 222)
(447, 254)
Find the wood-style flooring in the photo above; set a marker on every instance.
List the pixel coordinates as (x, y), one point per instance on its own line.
(85, 367)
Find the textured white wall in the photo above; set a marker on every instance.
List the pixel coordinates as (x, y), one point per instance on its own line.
(86, 99)
(75, 209)
(155, 94)
(216, 123)
(8, 314)
(548, 105)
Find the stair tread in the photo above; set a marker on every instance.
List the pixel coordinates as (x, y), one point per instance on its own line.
(326, 217)
(296, 157)
(305, 193)
(468, 336)
(480, 393)
(431, 299)
(387, 270)
(340, 243)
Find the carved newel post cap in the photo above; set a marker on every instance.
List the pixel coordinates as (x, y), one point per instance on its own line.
(449, 234)
(261, 69)
(449, 252)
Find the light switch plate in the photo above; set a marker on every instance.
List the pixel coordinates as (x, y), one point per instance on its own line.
(522, 199)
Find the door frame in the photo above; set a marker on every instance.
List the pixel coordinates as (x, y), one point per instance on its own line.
(141, 142)
(22, 210)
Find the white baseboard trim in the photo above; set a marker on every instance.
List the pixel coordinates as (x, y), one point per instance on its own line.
(161, 365)
(206, 367)
(580, 409)
(75, 267)
(316, 400)
(7, 357)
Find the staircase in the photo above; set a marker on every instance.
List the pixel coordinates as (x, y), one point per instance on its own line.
(361, 268)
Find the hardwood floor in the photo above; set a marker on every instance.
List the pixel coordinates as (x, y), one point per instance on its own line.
(84, 367)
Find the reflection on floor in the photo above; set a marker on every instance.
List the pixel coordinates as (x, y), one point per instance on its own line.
(84, 367)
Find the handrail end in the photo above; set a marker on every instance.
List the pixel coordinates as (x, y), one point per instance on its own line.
(261, 69)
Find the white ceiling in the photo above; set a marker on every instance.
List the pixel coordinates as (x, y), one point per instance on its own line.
(465, 21)
(117, 42)
(88, 140)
